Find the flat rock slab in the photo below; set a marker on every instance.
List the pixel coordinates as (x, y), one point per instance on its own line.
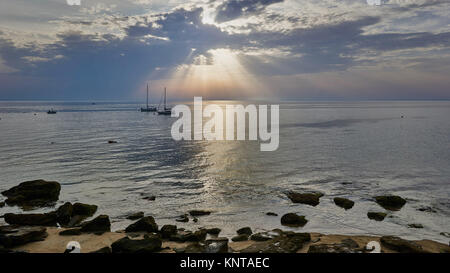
(149, 244)
(34, 193)
(311, 199)
(11, 236)
(32, 219)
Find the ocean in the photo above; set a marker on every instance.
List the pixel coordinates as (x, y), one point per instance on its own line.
(356, 149)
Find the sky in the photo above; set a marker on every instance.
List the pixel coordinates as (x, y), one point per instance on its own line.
(227, 49)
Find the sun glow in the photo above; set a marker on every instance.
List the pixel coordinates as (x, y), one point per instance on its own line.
(215, 74)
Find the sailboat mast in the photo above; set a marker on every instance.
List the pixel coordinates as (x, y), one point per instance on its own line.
(164, 98)
(147, 95)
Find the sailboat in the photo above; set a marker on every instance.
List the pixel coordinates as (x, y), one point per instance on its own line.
(166, 110)
(148, 109)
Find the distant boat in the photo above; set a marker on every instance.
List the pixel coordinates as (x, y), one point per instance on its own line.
(51, 112)
(166, 110)
(148, 109)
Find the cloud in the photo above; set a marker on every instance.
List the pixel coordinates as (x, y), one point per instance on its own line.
(233, 9)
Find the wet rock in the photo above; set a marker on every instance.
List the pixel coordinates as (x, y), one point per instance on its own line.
(168, 230)
(149, 244)
(71, 232)
(293, 220)
(75, 220)
(136, 215)
(415, 225)
(99, 224)
(182, 218)
(240, 238)
(343, 247)
(271, 214)
(11, 236)
(390, 202)
(2, 204)
(213, 231)
(445, 234)
(64, 214)
(259, 237)
(34, 193)
(285, 242)
(84, 209)
(188, 236)
(377, 216)
(146, 224)
(245, 230)
(105, 249)
(216, 245)
(112, 142)
(311, 199)
(150, 198)
(427, 209)
(32, 219)
(194, 248)
(344, 203)
(400, 245)
(199, 212)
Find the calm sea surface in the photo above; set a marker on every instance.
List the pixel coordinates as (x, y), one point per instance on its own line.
(350, 149)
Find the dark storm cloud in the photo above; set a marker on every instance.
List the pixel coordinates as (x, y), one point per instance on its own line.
(233, 9)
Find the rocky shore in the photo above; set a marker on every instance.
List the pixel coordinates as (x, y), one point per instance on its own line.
(69, 228)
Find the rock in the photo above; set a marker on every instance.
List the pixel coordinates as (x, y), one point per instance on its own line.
(136, 215)
(245, 230)
(271, 214)
(216, 245)
(33, 193)
(344, 203)
(445, 234)
(377, 216)
(400, 245)
(188, 236)
(199, 212)
(146, 224)
(294, 220)
(259, 237)
(149, 244)
(240, 238)
(182, 218)
(213, 231)
(194, 248)
(36, 219)
(390, 202)
(84, 209)
(75, 220)
(335, 248)
(415, 225)
(285, 242)
(71, 232)
(427, 209)
(168, 230)
(2, 204)
(311, 199)
(64, 214)
(11, 236)
(112, 141)
(150, 198)
(99, 224)
(105, 249)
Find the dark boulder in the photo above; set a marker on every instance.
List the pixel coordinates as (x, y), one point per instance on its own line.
(213, 231)
(2, 204)
(216, 245)
(32, 219)
(400, 245)
(271, 214)
(64, 214)
(149, 244)
(285, 242)
(182, 218)
(311, 199)
(199, 212)
(240, 238)
(377, 216)
(259, 237)
(390, 202)
(84, 209)
(168, 230)
(136, 215)
(99, 224)
(11, 236)
(33, 193)
(245, 230)
(344, 203)
(71, 232)
(194, 248)
(293, 220)
(146, 224)
(415, 225)
(189, 236)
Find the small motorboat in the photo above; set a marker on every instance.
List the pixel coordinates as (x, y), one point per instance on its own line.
(51, 112)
